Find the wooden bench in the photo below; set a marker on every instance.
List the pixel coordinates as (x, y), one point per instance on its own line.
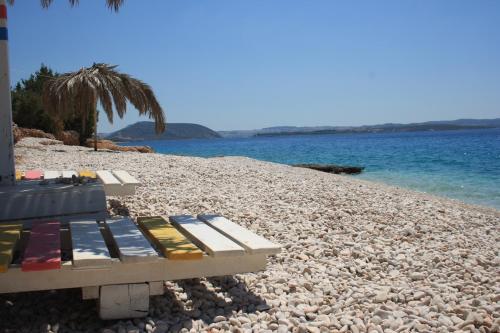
(51, 174)
(168, 239)
(131, 244)
(135, 269)
(9, 235)
(87, 173)
(89, 247)
(43, 251)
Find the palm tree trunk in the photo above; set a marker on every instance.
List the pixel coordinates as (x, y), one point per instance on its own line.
(95, 129)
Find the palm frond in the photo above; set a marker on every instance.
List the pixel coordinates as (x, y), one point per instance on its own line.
(112, 4)
(80, 92)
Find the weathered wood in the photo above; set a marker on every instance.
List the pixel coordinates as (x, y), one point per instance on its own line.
(170, 241)
(252, 242)
(9, 236)
(51, 174)
(131, 244)
(207, 238)
(124, 301)
(89, 248)
(15, 280)
(112, 186)
(33, 174)
(29, 200)
(43, 251)
(90, 292)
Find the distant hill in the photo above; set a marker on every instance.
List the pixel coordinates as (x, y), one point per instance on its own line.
(145, 130)
(389, 127)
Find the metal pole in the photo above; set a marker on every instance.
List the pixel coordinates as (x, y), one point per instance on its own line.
(7, 171)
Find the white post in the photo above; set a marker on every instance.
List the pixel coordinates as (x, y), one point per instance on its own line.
(7, 171)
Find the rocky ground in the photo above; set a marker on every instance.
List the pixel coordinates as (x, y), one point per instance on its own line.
(357, 256)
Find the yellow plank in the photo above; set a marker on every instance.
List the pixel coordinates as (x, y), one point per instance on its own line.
(172, 243)
(9, 235)
(87, 173)
(19, 175)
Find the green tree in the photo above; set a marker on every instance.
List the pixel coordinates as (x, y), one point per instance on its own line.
(28, 111)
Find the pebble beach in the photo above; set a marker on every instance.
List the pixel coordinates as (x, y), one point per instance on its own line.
(357, 256)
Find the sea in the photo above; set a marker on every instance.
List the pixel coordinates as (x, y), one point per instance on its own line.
(461, 164)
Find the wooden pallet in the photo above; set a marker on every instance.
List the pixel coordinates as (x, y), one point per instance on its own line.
(116, 182)
(122, 252)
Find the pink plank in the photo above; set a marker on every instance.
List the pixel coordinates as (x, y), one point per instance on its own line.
(33, 174)
(44, 247)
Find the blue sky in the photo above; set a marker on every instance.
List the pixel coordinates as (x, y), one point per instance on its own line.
(236, 64)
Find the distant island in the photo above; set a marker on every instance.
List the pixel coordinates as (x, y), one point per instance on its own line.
(145, 130)
(459, 124)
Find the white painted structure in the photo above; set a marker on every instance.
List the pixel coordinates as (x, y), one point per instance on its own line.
(117, 183)
(7, 170)
(205, 237)
(252, 242)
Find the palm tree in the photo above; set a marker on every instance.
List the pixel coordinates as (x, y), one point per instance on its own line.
(79, 92)
(112, 4)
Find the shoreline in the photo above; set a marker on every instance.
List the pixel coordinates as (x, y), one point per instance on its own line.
(357, 255)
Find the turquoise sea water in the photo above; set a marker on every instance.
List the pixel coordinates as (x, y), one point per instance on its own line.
(463, 165)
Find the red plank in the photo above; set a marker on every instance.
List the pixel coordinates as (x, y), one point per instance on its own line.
(33, 174)
(44, 247)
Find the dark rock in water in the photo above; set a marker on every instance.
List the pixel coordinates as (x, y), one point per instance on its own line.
(332, 168)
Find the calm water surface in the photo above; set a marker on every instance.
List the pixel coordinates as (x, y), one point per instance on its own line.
(463, 165)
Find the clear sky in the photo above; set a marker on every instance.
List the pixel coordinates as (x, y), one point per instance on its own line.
(237, 64)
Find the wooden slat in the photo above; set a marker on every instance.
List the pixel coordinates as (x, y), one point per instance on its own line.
(131, 243)
(51, 174)
(207, 238)
(112, 186)
(125, 178)
(33, 174)
(170, 241)
(87, 173)
(43, 251)
(252, 242)
(19, 175)
(9, 235)
(69, 173)
(89, 248)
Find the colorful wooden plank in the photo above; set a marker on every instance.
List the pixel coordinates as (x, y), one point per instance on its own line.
(89, 248)
(112, 186)
(69, 174)
(43, 251)
(87, 173)
(9, 235)
(19, 175)
(170, 241)
(33, 174)
(51, 174)
(207, 238)
(131, 244)
(252, 242)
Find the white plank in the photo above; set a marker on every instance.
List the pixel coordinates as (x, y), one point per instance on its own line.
(51, 174)
(252, 242)
(125, 177)
(206, 237)
(89, 248)
(131, 244)
(112, 186)
(69, 174)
